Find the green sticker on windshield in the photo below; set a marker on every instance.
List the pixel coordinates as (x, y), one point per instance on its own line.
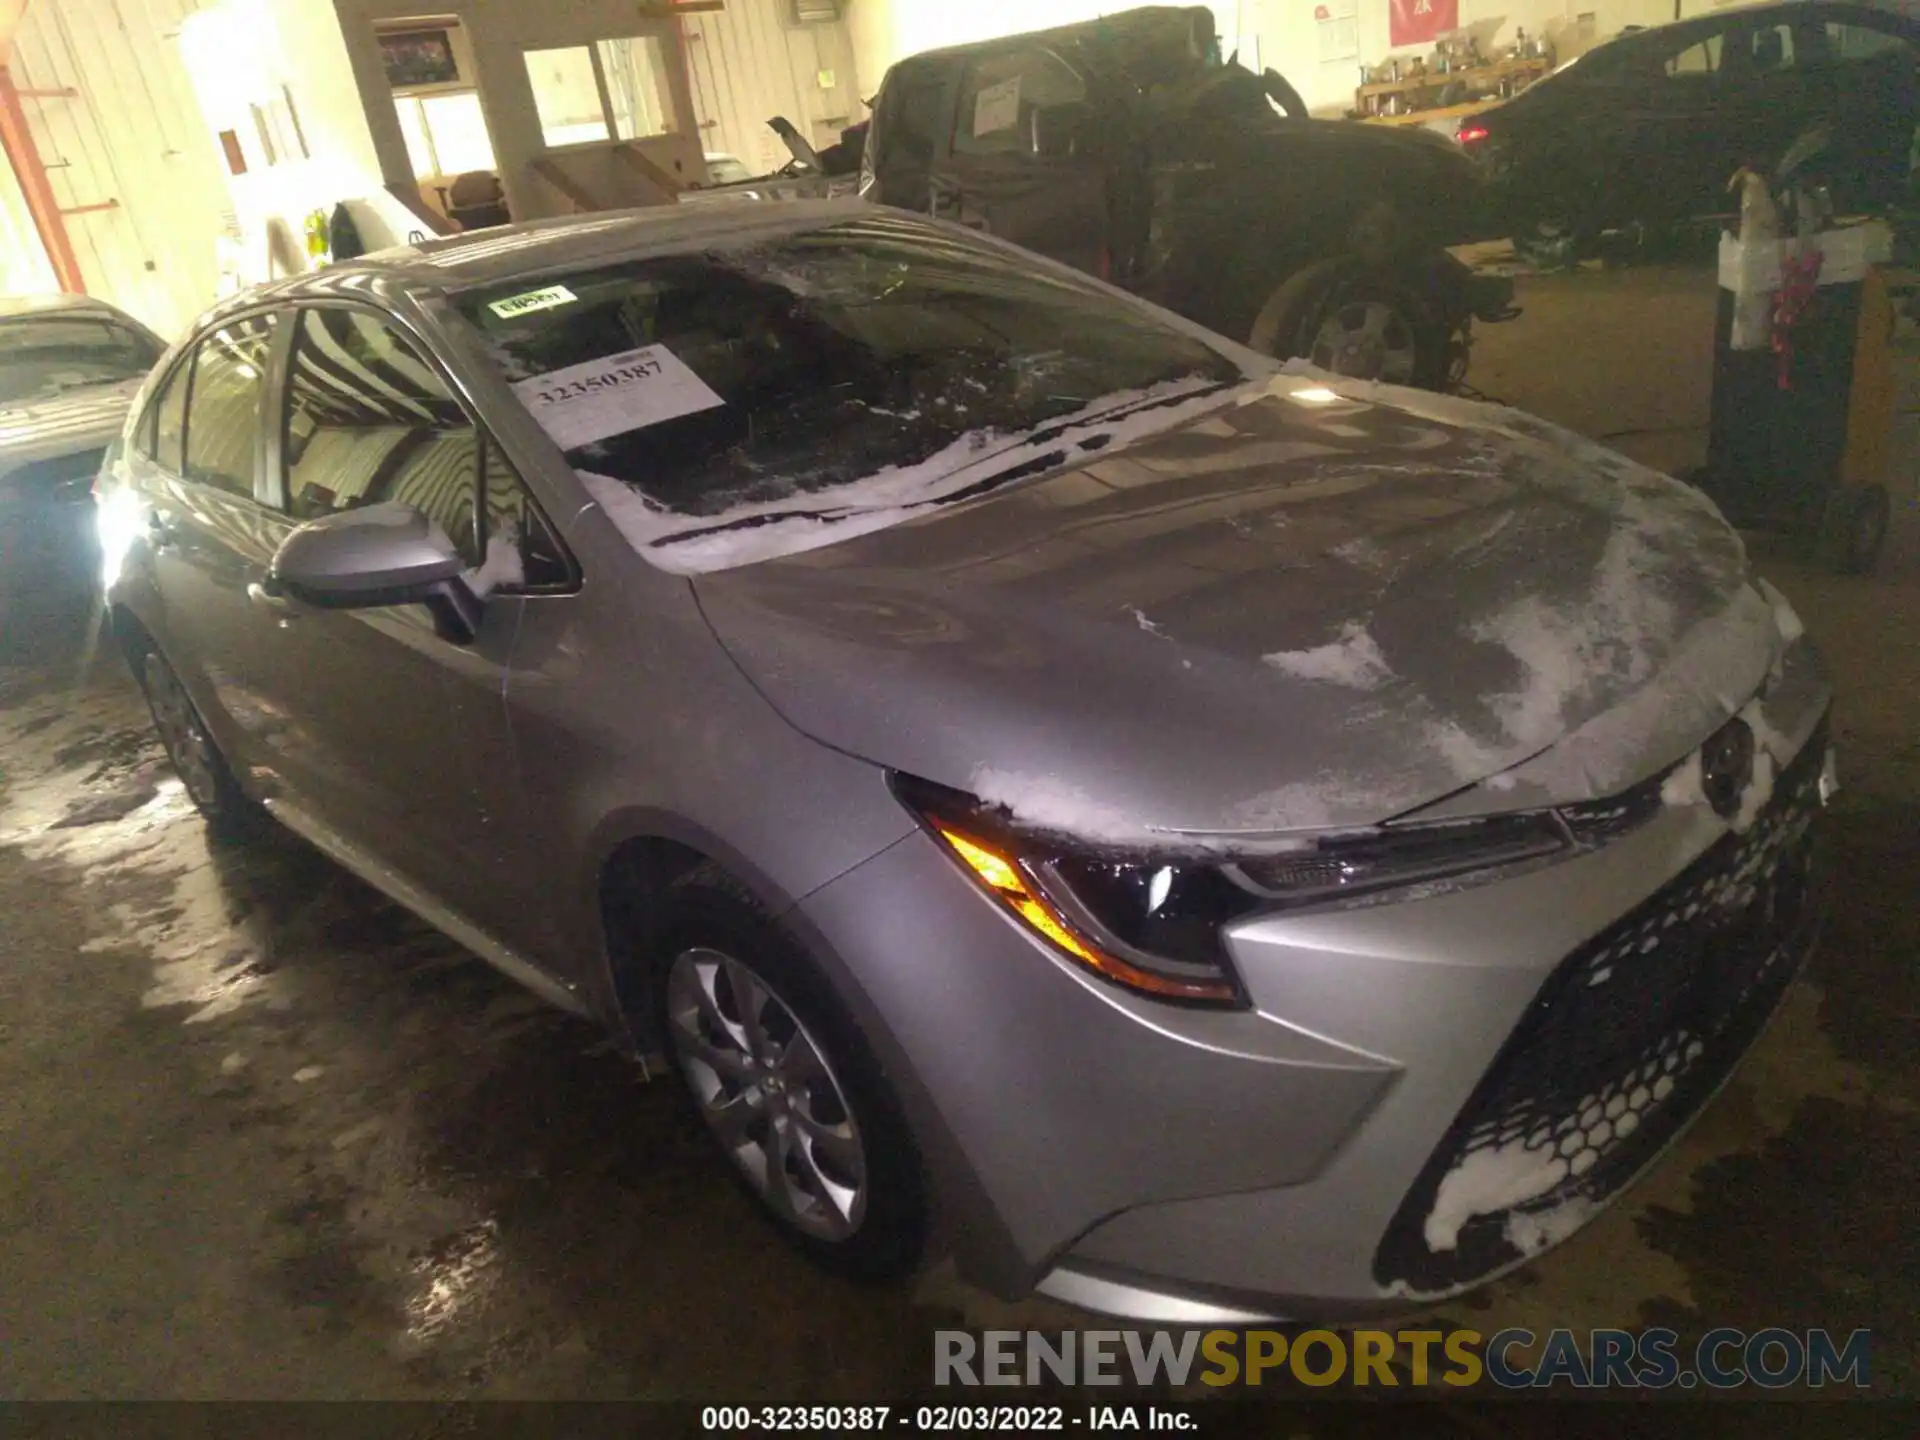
(533, 300)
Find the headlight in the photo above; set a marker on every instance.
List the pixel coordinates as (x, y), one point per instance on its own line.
(1153, 923)
(119, 517)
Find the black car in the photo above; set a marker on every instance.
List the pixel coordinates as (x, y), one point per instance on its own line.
(1649, 127)
(1127, 147)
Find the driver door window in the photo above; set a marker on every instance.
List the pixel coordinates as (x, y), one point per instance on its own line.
(369, 419)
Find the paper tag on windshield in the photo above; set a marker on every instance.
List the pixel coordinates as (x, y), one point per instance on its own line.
(612, 395)
(533, 300)
(997, 107)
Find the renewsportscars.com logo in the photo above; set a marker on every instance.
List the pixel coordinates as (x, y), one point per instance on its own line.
(1652, 1359)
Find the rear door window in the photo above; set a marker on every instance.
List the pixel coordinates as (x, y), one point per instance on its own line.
(224, 403)
(1697, 60)
(1861, 42)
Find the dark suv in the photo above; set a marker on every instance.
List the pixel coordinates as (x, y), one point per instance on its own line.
(1125, 146)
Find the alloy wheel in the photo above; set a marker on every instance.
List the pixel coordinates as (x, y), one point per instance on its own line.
(1368, 340)
(183, 734)
(768, 1093)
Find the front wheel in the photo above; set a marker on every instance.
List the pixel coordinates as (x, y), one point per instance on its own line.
(786, 1085)
(1367, 326)
(202, 769)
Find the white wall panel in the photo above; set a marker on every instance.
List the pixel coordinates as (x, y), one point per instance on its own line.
(130, 134)
(748, 64)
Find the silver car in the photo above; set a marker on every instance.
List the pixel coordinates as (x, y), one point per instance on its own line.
(69, 368)
(1192, 837)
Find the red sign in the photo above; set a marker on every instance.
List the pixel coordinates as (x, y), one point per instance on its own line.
(1414, 22)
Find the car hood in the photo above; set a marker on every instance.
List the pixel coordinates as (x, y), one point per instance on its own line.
(44, 427)
(1301, 612)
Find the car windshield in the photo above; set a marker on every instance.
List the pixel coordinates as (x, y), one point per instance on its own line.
(742, 376)
(43, 355)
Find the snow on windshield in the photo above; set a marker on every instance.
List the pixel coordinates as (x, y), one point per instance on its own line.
(810, 386)
(694, 545)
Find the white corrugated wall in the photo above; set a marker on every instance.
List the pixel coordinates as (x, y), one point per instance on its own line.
(23, 261)
(131, 134)
(748, 63)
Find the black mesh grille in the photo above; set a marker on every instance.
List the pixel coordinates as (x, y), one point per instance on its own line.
(1628, 1038)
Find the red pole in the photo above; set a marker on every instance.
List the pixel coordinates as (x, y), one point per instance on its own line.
(16, 137)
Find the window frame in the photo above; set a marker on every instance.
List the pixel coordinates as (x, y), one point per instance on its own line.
(270, 367)
(1830, 54)
(146, 440)
(966, 89)
(279, 495)
(1716, 43)
(664, 92)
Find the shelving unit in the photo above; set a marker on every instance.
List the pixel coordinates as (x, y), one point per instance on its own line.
(1367, 99)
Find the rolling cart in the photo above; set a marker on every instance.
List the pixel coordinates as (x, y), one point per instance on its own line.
(1800, 434)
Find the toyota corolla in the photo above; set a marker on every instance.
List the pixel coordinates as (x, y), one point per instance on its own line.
(1196, 838)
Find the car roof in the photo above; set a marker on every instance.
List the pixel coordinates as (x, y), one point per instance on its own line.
(1719, 18)
(539, 247)
(14, 306)
(1122, 26)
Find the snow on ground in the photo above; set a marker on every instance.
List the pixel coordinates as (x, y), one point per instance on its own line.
(204, 958)
(1352, 659)
(1531, 1232)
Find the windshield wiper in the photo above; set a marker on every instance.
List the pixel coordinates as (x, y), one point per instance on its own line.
(753, 522)
(1047, 434)
(1020, 470)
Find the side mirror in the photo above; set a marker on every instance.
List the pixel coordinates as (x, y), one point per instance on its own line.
(1058, 129)
(386, 554)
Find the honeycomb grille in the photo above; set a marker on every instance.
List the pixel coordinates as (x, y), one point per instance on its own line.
(1628, 1038)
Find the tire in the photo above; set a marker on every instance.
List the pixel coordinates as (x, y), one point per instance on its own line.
(785, 1083)
(1549, 244)
(1364, 324)
(191, 749)
(1853, 530)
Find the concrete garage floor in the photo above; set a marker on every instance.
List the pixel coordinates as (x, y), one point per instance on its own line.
(264, 1135)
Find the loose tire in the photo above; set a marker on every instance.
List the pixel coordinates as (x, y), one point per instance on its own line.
(785, 1083)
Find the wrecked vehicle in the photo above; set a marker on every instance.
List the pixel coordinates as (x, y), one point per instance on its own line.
(809, 175)
(1124, 147)
(1187, 835)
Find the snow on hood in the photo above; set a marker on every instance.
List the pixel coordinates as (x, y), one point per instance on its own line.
(1282, 616)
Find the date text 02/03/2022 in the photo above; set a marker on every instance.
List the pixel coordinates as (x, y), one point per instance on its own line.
(941, 1419)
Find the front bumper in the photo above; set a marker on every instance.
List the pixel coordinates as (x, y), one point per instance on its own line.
(1187, 1166)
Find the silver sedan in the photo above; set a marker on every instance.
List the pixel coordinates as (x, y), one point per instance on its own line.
(1197, 838)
